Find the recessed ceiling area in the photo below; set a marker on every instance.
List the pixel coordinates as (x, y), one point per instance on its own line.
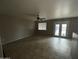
(48, 9)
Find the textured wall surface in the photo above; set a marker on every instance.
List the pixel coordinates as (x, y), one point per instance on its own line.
(16, 27)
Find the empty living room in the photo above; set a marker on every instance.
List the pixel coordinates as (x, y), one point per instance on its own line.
(38, 29)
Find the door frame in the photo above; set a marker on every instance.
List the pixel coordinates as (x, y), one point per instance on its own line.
(61, 22)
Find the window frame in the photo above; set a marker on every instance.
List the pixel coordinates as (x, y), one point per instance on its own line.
(42, 29)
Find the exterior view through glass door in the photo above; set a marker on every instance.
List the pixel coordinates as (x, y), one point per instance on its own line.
(60, 30)
(57, 28)
(63, 29)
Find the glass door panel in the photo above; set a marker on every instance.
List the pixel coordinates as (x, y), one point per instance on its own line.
(63, 29)
(57, 29)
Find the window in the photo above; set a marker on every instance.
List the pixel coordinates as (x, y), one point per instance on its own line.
(42, 26)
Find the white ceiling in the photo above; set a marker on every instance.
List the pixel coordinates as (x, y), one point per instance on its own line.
(46, 8)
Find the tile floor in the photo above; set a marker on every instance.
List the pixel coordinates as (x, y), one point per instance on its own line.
(41, 47)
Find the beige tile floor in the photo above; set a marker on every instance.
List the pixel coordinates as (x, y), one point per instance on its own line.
(40, 47)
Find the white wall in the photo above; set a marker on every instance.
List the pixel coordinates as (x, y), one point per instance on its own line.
(16, 27)
(17, 19)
